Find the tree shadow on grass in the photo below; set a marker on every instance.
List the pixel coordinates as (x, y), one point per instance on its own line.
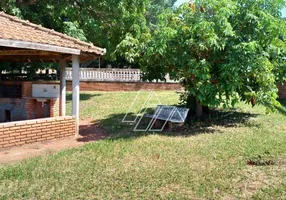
(282, 109)
(83, 96)
(91, 132)
(209, 124)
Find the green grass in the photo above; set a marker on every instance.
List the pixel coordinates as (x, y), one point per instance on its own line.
(210, 160)
(110, 108)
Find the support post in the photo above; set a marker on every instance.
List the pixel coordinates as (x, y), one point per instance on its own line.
(75, 91)
(63, 87)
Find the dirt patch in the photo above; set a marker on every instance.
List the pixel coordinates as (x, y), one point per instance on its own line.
(255, 178)
(88, 133)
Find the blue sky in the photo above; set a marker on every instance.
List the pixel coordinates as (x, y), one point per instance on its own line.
(179, 2)
(284, 12)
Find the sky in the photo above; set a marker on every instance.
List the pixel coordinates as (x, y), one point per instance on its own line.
(179, 2)
(284, 12)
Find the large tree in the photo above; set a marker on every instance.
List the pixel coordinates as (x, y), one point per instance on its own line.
(120, 26)
(105, 23)
(223, 51)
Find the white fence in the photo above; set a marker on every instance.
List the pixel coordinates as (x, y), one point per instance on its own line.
(112, 75)
(123, 75)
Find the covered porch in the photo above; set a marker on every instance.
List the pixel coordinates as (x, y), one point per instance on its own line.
(22, 41)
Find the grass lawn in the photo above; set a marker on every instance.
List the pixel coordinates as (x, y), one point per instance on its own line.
(238, 153)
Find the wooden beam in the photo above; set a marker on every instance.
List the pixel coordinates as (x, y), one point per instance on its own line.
(26, 53)
(38, 46)
(90, 55)
(42, 57)
(66, 57)
(31, 58)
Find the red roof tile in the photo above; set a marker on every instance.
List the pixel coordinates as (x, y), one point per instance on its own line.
(13, 28)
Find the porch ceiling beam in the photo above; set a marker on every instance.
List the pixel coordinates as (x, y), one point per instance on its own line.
(38, 46)
(33, 58)
(44, 57)
(90, 55)
(26, 53)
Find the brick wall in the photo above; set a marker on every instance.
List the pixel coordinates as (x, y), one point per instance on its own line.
(282, 91)
(122, 86)
(32, 109)
(26, 132)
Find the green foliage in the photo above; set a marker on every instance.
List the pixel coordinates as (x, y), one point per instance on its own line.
(120, 26)
(73, 30)
(13, 70)
(9, 6)
(223, 51)
(109, 24)
(155, 8)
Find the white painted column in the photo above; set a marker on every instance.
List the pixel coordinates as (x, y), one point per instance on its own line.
(75, 90)
(63, 87)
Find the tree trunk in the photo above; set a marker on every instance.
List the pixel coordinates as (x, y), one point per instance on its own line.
(195, 107)
(199, 110)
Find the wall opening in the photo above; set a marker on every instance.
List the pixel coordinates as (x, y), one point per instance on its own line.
(8, 117)
(10, 91)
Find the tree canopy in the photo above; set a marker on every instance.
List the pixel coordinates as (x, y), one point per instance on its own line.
(223, 51)
(116, 25)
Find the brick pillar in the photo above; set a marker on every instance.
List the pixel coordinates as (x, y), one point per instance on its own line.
(54, 107)
(30, 104)
(26, 89)
(31, 108)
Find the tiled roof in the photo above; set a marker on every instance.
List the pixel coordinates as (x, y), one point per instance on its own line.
(13, 28)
